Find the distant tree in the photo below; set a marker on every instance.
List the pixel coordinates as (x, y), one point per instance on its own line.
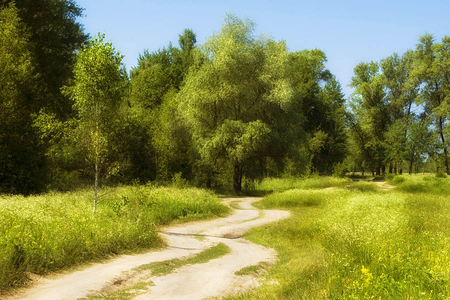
(319, 99)
(187, 42)
(432, 73)
(369, 120)
(97, 91)
(22, 161)
(154, 85)
(233, 99)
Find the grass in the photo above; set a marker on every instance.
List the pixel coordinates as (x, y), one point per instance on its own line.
(284, 184)
(161, 268)
(44, 233)
(252, 270)
(359, 242)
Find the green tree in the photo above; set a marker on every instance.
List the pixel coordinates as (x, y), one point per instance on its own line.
(54, 37)
(233, 99)
(320, 105)
(369, 120)
(400, 96)
(154, 85)
(98, 89)
(22, 158)
(432, 73)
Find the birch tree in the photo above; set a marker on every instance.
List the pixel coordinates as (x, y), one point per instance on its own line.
(97, 91)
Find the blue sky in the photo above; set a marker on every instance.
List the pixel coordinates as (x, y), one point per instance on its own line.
(349, 32)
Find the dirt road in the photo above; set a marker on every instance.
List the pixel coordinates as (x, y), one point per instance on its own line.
(211, 279)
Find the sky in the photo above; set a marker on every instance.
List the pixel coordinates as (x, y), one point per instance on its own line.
(349, 32)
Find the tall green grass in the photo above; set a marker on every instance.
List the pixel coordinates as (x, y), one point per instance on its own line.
(428, 184)
(359, 243)
(48, 232)
(284, 184)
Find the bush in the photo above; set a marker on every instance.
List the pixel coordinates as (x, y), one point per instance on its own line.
(339, 170)
(441, 174)
(398, 179)
(389, 177)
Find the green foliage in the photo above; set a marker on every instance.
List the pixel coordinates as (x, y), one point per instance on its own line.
(155, 83)
(319, 97)
(340, 170)
(369, 119)
(44, 233)
(54, 36)
(231, 99)
(97, 92)
(441, 174)
(22, 161)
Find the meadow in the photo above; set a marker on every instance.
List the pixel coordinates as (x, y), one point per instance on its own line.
(357, 241)
(48, 232)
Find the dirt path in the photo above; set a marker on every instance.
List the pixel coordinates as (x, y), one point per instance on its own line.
(214, 278)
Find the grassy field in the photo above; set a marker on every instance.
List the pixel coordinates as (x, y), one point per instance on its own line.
(356, 241)
(44, 233)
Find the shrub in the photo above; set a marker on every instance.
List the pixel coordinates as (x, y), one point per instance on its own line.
(339, 170)
(441, 174)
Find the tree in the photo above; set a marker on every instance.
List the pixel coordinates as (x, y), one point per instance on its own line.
(320, 103)
(154, 85)
(400, 96)
(234, 97)
(432, 73)
(369, 119)
(54, 37)
(98, 88)
(22, 158)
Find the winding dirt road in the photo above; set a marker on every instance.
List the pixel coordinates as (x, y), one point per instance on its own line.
(212, 279)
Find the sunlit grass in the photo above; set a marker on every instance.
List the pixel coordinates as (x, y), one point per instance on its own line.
(357, 242)
(284, 184)
(161, 268)
(48, 232)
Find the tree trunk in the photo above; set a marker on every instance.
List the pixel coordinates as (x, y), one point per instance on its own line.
(208, 181)
(441, 133)
(237, 177)
(95, 186)
(411, 160)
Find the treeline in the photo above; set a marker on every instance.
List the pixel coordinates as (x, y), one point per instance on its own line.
(399, 112)
(237, 108)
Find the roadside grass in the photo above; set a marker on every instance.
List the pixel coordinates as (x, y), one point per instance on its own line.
(160, 268)
(284, 184)
(44, 233)
(358, 242)
(428, 184)
(253, 270)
